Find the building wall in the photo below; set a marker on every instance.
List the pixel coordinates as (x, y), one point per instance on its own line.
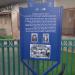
(69, 22)
(14, 15)
(10, 23)
(68, 27)
(65, 3)
(5, 23)
(15, 20)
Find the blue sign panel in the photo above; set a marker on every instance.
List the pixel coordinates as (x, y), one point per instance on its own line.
(40, 33)
(43, 3)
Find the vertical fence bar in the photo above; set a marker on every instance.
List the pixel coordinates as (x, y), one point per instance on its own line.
(18, 57)
(38, 66)
(3, 64)
(33, 64)
(8, 58)
(67, 61)
(0, 57)
(71, 61)
(48, 65)
(72, 58)
(13, 60)
(66, 46)
(52, 64)
(28, 64)
(43, 65)
(62, 54)
(56, 71)
(23, 69)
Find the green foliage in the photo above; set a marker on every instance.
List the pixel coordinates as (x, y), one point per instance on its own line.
(6, 37)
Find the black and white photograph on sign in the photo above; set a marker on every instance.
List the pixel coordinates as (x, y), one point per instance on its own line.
(46, 38)
(34, 37)
(40, 51)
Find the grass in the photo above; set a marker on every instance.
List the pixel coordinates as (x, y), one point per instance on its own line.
(6, 37)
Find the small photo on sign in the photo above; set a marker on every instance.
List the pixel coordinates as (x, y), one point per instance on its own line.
(40, 51)
(34, 37)
(46, 38)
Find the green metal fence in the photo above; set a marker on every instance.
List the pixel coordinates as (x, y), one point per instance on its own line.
(10, 63)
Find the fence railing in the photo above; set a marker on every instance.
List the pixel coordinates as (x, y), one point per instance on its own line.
(10, 63)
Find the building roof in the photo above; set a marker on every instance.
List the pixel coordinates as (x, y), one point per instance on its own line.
(8, 2)
(5, 13)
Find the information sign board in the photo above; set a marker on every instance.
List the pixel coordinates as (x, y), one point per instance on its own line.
(40, 33)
